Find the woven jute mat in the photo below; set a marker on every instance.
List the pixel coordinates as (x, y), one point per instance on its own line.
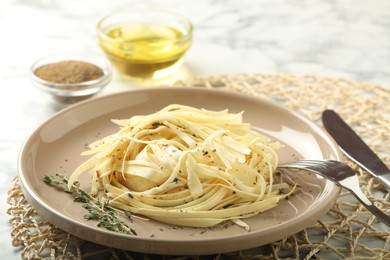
(347, 231)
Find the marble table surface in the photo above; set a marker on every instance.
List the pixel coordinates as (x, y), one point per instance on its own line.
(348, 39)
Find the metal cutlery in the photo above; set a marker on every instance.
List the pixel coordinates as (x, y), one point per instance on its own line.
(354, 147)
(341, 174)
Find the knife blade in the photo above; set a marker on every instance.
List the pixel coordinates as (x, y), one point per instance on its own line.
(354, 147)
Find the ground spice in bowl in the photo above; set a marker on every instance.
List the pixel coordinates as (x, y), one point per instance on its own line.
(69, 78)
(69, 72)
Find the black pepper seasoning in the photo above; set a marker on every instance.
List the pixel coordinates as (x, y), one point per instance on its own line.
(69, 72)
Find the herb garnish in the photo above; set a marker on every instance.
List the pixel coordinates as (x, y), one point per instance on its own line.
(99, 210)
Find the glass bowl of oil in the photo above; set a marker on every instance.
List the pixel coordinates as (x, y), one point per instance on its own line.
(145, 43)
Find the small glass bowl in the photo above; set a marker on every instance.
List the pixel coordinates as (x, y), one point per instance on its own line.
(64, 94)
(145, 43)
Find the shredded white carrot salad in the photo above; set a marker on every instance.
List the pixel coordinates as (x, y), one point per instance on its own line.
(186, 166)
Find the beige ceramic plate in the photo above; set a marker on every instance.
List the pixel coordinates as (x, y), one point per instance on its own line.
(56, 145)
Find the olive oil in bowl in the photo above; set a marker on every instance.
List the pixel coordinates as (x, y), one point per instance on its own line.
(151, 46)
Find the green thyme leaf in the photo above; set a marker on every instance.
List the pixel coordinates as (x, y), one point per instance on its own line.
(106, 216)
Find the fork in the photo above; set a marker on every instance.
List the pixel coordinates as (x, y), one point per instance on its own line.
(341, 174)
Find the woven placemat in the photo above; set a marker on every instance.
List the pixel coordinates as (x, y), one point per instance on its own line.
(347, 231)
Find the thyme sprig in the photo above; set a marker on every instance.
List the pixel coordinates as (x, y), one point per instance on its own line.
(99, 210)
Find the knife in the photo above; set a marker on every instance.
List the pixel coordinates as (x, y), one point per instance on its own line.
(354, 147)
